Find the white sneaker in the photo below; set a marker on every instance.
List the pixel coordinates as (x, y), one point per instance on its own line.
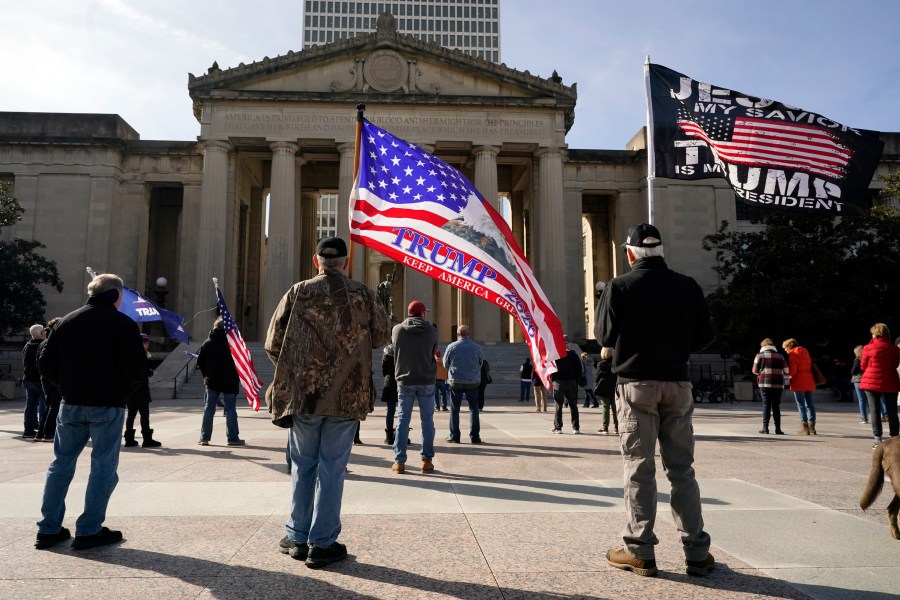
(555, 430)
(576, 432)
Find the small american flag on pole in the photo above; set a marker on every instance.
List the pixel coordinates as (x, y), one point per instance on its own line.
(239, 353)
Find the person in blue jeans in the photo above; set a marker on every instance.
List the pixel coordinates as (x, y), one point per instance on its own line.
(415, 369)
(463, 359)
(94, 356)
(35, 405)
(221, 380)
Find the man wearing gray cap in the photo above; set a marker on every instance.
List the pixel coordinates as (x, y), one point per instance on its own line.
(321, 339)
(654, 318)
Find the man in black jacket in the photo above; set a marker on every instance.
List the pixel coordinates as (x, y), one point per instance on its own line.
(94, 356)
(31, 377)
(654, 318)
(221, 380)
(565, 389)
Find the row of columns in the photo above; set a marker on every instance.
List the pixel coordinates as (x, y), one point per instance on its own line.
(289, 226)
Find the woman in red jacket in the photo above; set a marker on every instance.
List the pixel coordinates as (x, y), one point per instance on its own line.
(879, 365)
(802, 384)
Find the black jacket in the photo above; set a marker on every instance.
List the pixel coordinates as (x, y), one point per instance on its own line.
(94, 355)
(605, 380)
(568, 367)
(216, 364)
(654, 318)
(29, 360)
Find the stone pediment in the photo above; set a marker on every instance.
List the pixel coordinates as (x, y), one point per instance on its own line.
(383, 66)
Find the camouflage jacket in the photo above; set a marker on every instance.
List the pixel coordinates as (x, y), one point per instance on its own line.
(321, 339)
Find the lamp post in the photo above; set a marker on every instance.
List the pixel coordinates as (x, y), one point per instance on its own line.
(161, 291)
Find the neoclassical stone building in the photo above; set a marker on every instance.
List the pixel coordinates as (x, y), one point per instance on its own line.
(283, 129)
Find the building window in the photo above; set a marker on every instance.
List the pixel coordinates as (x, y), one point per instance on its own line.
(326, 216)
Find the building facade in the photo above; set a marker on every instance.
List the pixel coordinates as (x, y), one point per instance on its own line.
(470, 26)
(284, 129)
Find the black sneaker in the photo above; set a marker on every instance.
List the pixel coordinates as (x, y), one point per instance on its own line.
(237, 443)
(476, 440)
(452, 440)
(700, 567)
(48, 540)
(320, 557)
(287, 546)
(103, 537)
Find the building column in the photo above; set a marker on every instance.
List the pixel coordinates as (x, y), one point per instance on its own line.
(516, 203)
(550, 231)
(485, 315)
(280, 259)
(308, 207)
(345, 184)
(211, 229)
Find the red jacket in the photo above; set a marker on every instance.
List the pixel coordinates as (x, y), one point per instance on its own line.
(879, 364)
(801, 370)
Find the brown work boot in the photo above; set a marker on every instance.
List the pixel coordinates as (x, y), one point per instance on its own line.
(700, 567)
(804, 429)
(621, 559)
(812, 428)
(427, 465)
(398, 468)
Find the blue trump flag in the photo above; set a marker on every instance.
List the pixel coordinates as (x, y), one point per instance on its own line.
(142, 310)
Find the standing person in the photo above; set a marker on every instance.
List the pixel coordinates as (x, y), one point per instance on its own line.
(94, 356)
(803, 384)
(772, 375)
(879, 362)
(605, 389)
(855, 378)
(654, 318)
(415, 342)
(320, 340)
(464, 360)
(526, 371)
(220, 377)
(47, 424)
(587, 365)
(540, 392)
(389, 392)
(35, 406)
(441, 389)
(139, 402)
(565, 390)
(485, 380)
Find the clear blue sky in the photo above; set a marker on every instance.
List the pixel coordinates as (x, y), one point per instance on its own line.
(840, 58)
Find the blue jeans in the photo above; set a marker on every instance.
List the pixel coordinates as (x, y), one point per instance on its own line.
(863, 402)
(524, 391)
(456, 398)
(441, 391)
(320, 448)
(75, 426)
(406, 395)
(805, 406)
(231, 421)
(34, 406)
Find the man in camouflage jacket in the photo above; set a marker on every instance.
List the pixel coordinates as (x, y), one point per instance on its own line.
(321, 339)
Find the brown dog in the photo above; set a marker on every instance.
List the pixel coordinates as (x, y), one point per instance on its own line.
(885, 460)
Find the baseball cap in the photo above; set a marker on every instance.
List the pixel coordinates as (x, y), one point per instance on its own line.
(331, 247)
(643, 236)
(416, 308)
(145, 338)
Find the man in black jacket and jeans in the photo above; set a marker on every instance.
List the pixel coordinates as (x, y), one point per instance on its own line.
(94, 356)
(221, 380)
(565, 389)
(654, 318)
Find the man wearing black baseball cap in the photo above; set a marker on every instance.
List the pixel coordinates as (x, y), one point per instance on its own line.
(321, 339)
(654, 318)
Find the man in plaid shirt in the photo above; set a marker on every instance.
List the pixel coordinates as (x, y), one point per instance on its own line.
(771, 370)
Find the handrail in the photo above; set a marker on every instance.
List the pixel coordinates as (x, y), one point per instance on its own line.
(187, 374)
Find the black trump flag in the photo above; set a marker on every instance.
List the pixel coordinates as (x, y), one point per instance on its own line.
(773, 155)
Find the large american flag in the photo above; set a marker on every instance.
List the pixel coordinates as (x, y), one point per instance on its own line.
(422, 212)
(753, 141)
(774, 155)
(240, 354)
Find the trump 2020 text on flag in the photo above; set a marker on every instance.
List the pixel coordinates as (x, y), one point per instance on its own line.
(772, 154)
(240, 354)
(416, 209)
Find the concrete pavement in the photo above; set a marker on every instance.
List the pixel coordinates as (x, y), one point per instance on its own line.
(529, 514)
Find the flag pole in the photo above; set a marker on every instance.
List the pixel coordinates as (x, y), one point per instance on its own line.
(360, 109)
(651, 156)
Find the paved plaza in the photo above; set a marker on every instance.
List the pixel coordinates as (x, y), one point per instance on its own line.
(528, 514)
